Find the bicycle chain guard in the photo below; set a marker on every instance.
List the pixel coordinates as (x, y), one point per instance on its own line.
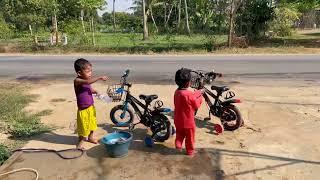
(229, 95)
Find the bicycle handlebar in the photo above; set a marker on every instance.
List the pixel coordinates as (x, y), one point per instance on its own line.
(203, 78)
(207, 75)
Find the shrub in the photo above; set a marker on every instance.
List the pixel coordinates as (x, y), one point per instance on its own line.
(282, 24)
(4, 153)
(6, 31)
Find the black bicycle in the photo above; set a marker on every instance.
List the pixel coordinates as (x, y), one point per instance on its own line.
(155, 118)
(222, 108)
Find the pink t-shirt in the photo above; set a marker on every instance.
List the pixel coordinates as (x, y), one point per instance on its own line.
(186, 102)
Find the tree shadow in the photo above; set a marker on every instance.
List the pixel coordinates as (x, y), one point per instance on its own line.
(235, 153)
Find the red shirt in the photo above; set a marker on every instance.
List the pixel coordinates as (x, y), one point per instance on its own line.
(186, 102)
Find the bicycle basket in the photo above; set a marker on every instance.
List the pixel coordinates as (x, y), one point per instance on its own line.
(115, 92)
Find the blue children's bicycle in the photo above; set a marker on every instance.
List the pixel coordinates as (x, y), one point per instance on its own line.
(122, 115)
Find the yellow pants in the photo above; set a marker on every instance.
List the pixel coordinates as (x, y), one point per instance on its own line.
(86, 121)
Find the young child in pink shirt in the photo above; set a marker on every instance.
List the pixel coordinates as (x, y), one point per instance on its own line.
(186, 102)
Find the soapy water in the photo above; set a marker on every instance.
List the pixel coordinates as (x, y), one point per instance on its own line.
(116, 140)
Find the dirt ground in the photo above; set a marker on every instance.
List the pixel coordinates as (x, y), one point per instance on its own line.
(279, 140)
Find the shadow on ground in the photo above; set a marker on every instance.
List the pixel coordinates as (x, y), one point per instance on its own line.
(160, 162)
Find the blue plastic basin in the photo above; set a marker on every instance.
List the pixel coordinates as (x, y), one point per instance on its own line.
(117, 143)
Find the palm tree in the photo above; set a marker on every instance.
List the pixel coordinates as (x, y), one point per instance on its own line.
(145, 18)
(187, 16)
(179, 14)
(114, 16)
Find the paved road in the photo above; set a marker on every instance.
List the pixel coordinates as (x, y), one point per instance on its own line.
(163, 67)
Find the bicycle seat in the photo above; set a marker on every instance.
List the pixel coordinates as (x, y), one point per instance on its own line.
(148, 98)
(220, 89)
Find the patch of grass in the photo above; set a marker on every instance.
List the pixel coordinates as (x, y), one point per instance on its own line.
(305, 40)
(15, 121)
(4, 153)
(20, 124)
(120, 42)
(132, 43)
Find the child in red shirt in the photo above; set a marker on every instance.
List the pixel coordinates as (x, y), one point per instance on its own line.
(186, 102)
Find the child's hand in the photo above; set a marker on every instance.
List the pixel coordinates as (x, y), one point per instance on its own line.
(94, 92)
(104, 78)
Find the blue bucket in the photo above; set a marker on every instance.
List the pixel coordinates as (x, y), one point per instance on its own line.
(117, 143)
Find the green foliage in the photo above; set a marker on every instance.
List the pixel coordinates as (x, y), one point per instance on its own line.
(27, 126)
(211, 43)
(302, 5)
(22, 13)
(253, 18)
(4, 153)
(20, 123)
(125, 22)
(282, 24)
(72, 27)
(6, 31)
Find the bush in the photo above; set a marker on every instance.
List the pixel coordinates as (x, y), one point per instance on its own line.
(210, 44)
(253, 18)
(6, 31)
(282, 24)
(27, 127)
(4, 153)
(73, 27)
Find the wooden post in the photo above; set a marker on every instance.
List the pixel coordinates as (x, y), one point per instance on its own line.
(82, 22)
(36, 40)
(30, 28)
(55, 25)
(93, 38)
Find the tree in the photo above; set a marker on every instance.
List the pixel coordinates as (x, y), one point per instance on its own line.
(253, 18)
(234, 6)
(284, 19)
(145, 19)
(114, 16)
(23, 14)
(203, 14)
(92, 6)
(179, 15)
(187, 17)
(302, 5)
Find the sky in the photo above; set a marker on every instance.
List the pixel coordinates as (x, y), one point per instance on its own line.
(121, 5)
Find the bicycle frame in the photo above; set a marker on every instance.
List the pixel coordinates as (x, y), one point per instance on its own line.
(213, 107)
(134, 102)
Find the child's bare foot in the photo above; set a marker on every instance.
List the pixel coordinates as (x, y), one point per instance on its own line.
(93, 140)
(80, 145)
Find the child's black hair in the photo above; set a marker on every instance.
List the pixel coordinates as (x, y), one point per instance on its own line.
(80, 64)
(183, 76)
